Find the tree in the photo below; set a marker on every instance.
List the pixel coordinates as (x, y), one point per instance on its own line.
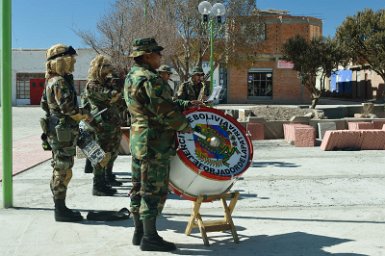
(363, 38)
(332, 57)
(312, 58)
(114, 34)
(177, 25)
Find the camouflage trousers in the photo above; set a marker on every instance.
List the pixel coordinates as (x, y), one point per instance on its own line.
(62, 163)
(150, 179)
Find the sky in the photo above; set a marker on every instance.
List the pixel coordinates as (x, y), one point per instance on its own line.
(38, 24)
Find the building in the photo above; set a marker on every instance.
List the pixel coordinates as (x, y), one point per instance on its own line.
(28, 70)
(356, 82)
(266, 78)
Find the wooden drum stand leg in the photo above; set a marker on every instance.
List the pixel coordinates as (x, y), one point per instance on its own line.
(214, 225)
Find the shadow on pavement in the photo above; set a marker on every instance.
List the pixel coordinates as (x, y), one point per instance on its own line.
(279, 219)
(114, 223)
(275, 164)
(172, 196)
(222, 243)
(296, 243)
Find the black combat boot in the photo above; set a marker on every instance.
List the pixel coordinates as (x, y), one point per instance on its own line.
(111, 179)
(151, 241)
(63, 214)
(138, 233)
(88, 168)
(100, 188)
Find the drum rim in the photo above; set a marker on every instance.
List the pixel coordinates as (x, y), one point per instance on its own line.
(185, 160)
(179, 192)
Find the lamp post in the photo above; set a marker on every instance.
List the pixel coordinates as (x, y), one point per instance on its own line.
(6, 99)
(210, 12)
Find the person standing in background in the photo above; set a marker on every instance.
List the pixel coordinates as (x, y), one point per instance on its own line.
(195, 88)
(103, 97)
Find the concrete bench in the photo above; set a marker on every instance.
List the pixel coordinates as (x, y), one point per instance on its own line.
(378, 124)
(374, 124)
(354, 140)
(360, 125)
(325, 126)
(256, 131)
(301, 135)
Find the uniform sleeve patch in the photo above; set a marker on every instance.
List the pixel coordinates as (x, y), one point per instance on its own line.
(158, 90)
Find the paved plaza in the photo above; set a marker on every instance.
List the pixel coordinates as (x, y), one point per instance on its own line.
(294, 201)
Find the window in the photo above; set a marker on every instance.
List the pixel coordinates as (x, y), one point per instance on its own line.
(22, 84)
(260, 83)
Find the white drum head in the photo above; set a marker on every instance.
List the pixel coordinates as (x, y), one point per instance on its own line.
(213, 155)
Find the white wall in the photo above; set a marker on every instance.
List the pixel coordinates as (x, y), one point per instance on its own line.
(33, 61)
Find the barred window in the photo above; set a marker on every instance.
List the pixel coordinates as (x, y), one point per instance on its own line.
(22, 84)
(259, 83)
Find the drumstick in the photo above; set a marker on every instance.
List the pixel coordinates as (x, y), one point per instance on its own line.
(200, 135)
(214, 141)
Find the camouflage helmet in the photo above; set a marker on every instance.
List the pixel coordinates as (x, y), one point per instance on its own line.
(165, 68)
(143, 46)
(197, 71)
(59, 50)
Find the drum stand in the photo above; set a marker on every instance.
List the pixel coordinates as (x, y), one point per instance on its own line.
(214, 225)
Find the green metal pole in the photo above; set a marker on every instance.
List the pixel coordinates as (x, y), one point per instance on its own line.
(211, 55)
(6, 100)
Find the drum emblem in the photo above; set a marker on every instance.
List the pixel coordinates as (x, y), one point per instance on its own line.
(214, 154)
(211, 158)
(218, 145)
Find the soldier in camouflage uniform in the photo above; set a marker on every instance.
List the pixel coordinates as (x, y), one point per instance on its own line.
(101, 94)
(165, 73)
(155, 118)
(195, 88)
(117, 84)
(59, 101)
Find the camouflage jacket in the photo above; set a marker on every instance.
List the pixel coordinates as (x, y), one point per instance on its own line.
(59, 98)
(118, 84)
(189, 91)
(99, 97)
(154, 115)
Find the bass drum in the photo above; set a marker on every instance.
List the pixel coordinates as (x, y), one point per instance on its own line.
(210, 159)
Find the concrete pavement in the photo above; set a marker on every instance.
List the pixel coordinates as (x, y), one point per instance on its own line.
(294, 201)
(26, 143)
